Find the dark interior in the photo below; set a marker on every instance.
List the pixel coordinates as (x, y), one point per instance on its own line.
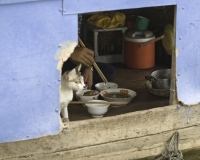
(134, 79)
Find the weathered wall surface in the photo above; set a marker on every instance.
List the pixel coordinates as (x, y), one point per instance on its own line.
(130, 136)
(30, 35)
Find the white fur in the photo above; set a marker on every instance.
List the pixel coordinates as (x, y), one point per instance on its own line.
(71, 81)
(68, 80)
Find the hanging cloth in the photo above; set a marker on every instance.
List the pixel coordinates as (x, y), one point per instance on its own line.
(107, 20)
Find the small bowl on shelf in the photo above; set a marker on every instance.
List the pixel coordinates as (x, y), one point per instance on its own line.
(118, 95)
(103, 86)
(97, 110)
(86, 95)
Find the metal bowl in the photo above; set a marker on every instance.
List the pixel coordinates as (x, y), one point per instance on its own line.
(162, 79)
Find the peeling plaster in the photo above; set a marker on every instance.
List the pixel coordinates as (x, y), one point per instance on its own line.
(64, 52)
(176, 52)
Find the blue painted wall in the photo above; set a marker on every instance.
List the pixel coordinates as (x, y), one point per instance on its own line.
(188, 59)
(30, 33)
(19, 1)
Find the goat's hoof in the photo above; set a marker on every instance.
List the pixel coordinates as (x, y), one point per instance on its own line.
(65, 122)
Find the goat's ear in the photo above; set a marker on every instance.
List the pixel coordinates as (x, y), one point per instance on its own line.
(69, 76)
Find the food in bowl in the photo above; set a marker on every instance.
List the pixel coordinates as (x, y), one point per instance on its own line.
(108, 85)
(90, 93)
(81, 97)
(97, 110)
(118, 95)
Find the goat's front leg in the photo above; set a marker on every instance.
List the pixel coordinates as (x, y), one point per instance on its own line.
(64, 113)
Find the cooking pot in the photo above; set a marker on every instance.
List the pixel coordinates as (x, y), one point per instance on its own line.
(160, 79)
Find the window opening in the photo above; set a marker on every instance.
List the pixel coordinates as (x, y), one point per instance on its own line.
(111, 46)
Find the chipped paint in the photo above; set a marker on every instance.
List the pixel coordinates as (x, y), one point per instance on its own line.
(176, 52)
(65, 50)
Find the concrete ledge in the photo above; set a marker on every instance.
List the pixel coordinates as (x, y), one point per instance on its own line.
(133, 135)
(127, 149)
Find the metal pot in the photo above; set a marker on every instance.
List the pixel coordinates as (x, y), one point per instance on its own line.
(160, 79)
